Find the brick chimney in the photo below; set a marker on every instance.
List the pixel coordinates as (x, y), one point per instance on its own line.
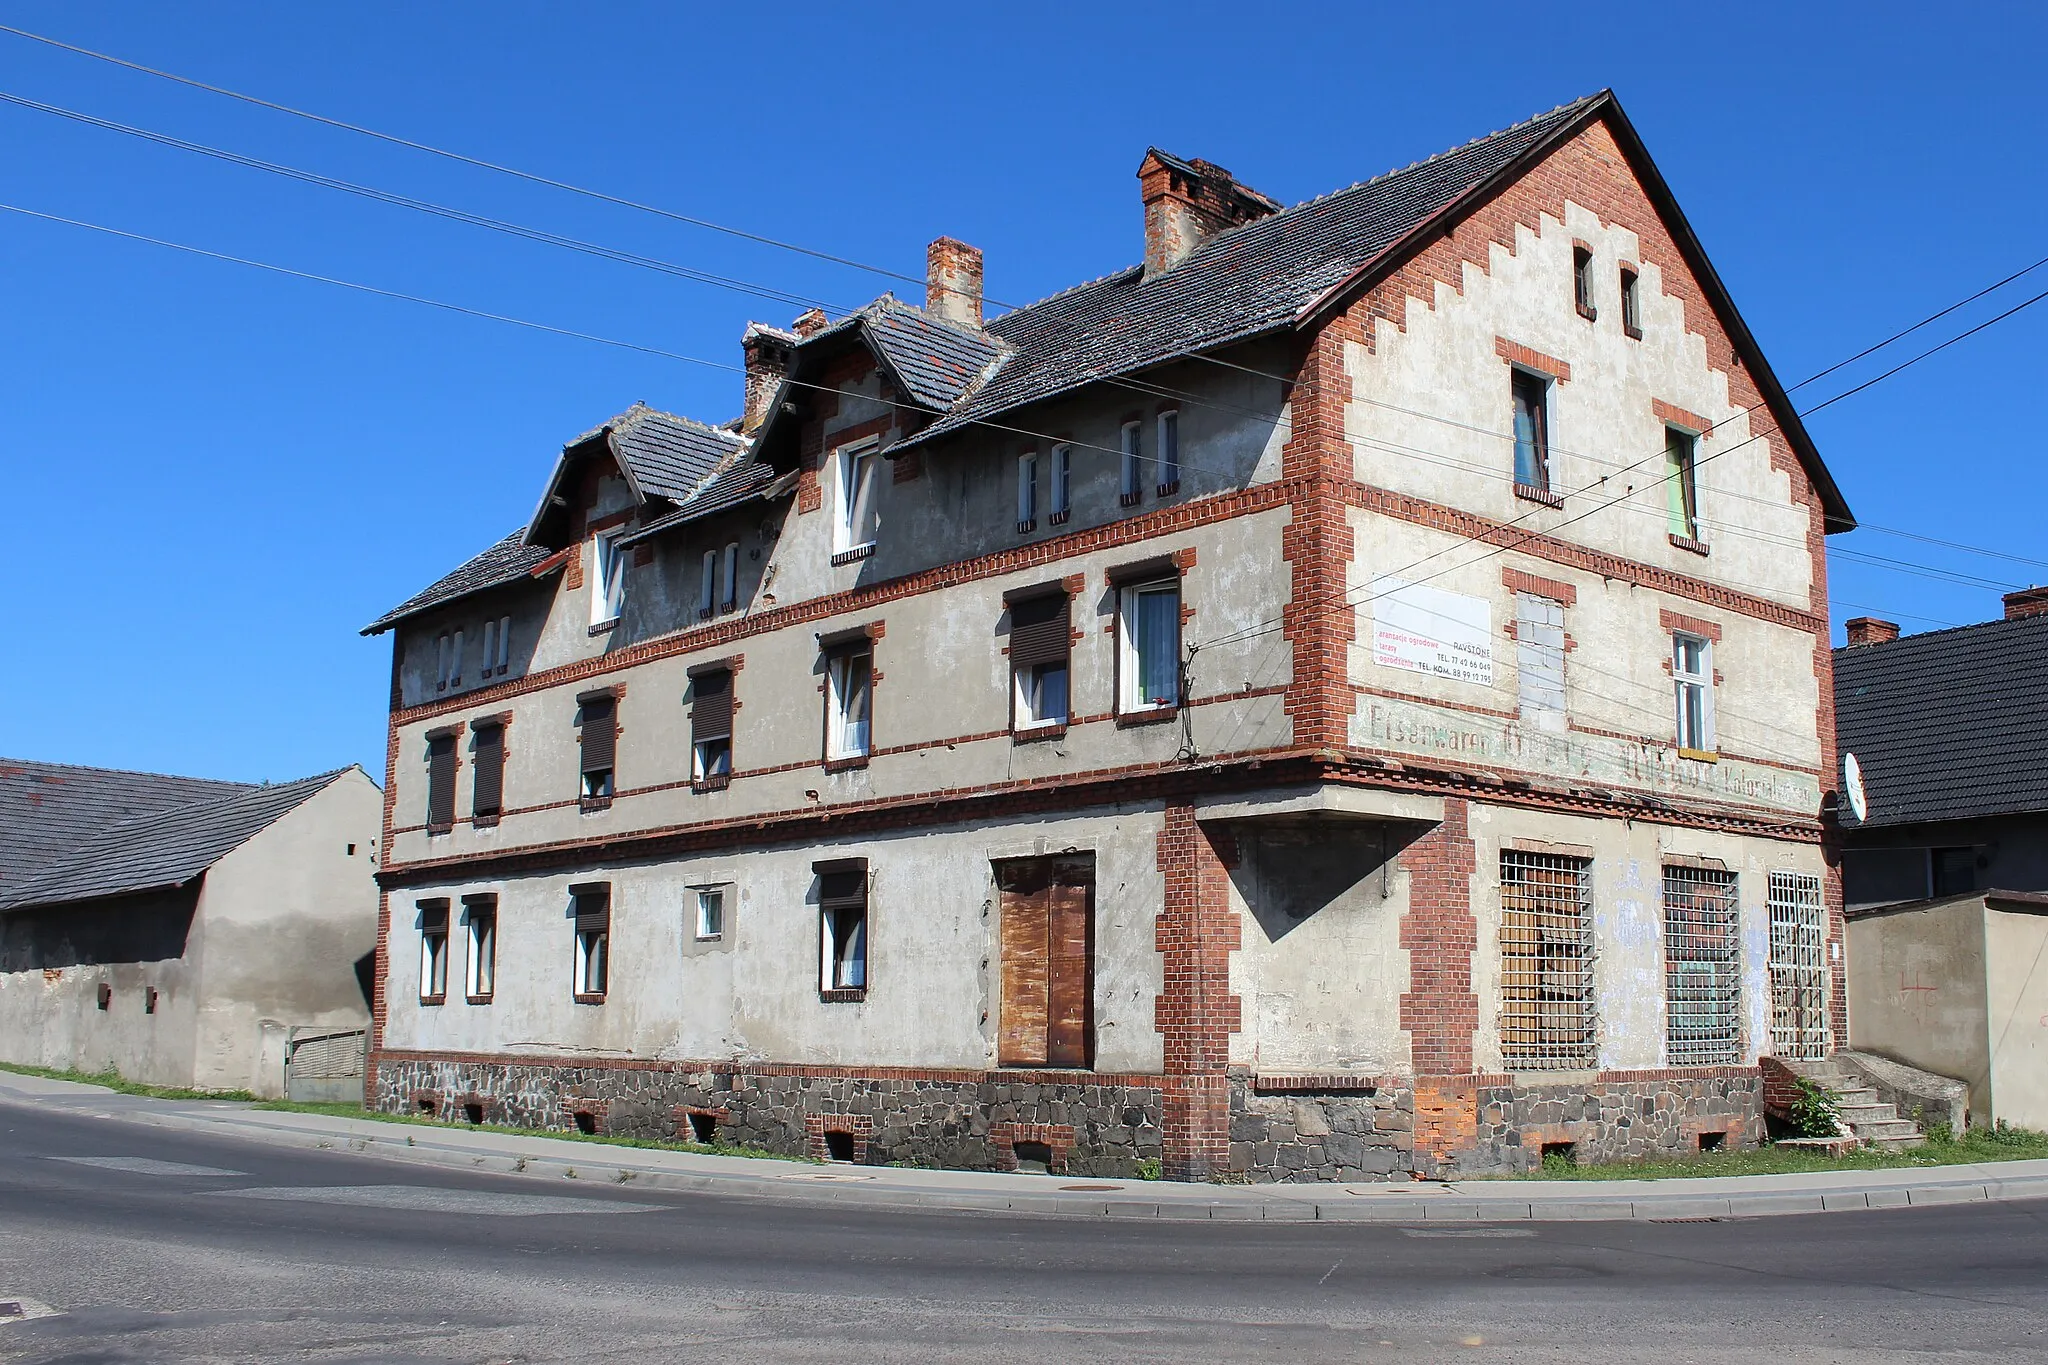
(952, 282)
(2026, 602)
(767, 352)
(1868, 630)
(1186, 201)
(810, 322)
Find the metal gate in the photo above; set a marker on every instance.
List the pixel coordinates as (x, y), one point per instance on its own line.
(1799, 970)
(325, 1064)
(1546, 962)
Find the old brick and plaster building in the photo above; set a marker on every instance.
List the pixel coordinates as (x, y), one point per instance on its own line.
(1346, 697)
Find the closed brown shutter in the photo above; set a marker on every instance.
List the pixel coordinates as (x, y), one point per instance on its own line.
(1040, 630)
(488, 781)
(711, 706)
(593, 912)
(843, 890)
(1026, 963)
(1069, 1025)
(600, 733)
(440, 783)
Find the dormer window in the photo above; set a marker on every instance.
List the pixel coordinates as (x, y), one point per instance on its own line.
(856, 517)
(608, 592)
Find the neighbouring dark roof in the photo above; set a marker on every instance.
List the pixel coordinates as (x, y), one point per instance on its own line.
(48, 808)
(510, 560)
(1949, 725)
(165, 848)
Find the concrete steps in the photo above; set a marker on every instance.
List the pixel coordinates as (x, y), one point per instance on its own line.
(1871, 1121)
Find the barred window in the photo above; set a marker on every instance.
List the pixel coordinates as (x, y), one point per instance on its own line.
(1546, 967)
(1799, 972)
(1702, 967)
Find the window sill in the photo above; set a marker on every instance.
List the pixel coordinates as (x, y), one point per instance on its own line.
(1699, 755)
(1037, 734)
(483, 821)
(603, 626)
(1025, 528)
(847, 764)
(856, 553)
(1169, 488)
(1632, 333)
(1156, 715)
(850, 995)
(710, 938)
(711, 784)
(1588, 312)
(433, 1000)
(590, 804)
(478, 999)
(436, 831)
(1690, 545)
(590, 998)
(1059, 518)
(1529, 492)
(1129, 499)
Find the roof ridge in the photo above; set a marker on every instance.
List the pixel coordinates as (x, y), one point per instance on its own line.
(125, 772)
(1945, 630)
(1071, 289)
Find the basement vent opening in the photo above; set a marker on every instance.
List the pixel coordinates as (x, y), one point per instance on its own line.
(149, 1001)
(425, 1104)
(704, 1128)
(1712, 1142)
(1563, 1151)
(839, 1146)
(586, 1122)
(106, 995)
(474, 1112)
(1034, 1157)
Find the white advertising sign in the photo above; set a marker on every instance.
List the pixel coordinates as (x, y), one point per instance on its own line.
(1428, 630)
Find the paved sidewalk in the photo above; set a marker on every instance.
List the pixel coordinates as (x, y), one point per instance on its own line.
(482, 1149)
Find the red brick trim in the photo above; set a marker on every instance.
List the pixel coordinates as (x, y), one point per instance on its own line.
(424, 1102)
(860, 1127)
(1197, 930)
(1440, 1012)
(1517, 354)
(1673, 415)
(1690, 625)
(1006, 1136)
(1564, 593)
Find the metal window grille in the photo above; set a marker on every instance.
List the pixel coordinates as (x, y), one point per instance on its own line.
(1546, 949)
(1702, 967)
(1799, 973)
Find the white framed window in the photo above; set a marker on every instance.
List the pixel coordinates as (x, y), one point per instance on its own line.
(1692, 681)
(849, 676)
(1681, 483)
(729, 596)
(856, 517)
(608, 590)
(1060, 503)
(1041, 695)
(710, 905)
(433, 952)
(843, 928)
(1148, 646)
(1539, 658)
(707, 588)
(1169, 452)
(1131, 465)
(480, 973)
(1040, 642)
(1027, 491)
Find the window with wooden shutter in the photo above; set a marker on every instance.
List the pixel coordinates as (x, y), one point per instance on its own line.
(843, 929)
(1041, 636)
(440, 783)
(487, 782)
(1047, 954)
(597, 713)
(711, 727)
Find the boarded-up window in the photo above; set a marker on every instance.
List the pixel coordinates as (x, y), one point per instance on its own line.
(598, 715)
(1047, 952)
(487, 783)
(1539, 654)
(440, 783)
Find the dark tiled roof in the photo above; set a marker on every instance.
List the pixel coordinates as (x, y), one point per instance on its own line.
(1235, 285)
(49, 808)
(669, 456)
(508, 561)
(741, 481)
(1948, 725)
(937, 362)
(162, 849)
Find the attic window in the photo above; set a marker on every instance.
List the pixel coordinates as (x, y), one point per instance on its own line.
(1631, 305)
(1131, 484)
(1582, 282)
(497, 648)
(1027, 491)
(608, 593)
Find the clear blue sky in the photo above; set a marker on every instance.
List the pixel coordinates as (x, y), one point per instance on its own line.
(217, 476)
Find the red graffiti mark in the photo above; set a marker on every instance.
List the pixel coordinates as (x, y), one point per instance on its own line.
(1915, 985)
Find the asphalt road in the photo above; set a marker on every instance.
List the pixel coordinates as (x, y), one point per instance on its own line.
(155, 1246)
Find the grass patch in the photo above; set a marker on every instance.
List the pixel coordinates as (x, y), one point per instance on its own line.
(1978, 1145)
(113, 1080)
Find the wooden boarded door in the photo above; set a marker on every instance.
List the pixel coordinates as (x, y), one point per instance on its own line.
(1048, 962)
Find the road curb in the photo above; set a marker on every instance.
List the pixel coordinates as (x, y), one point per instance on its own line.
(616, 1167)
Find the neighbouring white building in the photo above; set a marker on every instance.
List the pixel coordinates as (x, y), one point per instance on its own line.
(1346, 696)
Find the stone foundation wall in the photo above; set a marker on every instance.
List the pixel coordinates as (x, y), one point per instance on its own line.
(1617, 1117)
(1089, 1125)
(1299, 1130)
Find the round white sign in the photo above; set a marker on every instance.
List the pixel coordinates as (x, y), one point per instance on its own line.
(1852, 786)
